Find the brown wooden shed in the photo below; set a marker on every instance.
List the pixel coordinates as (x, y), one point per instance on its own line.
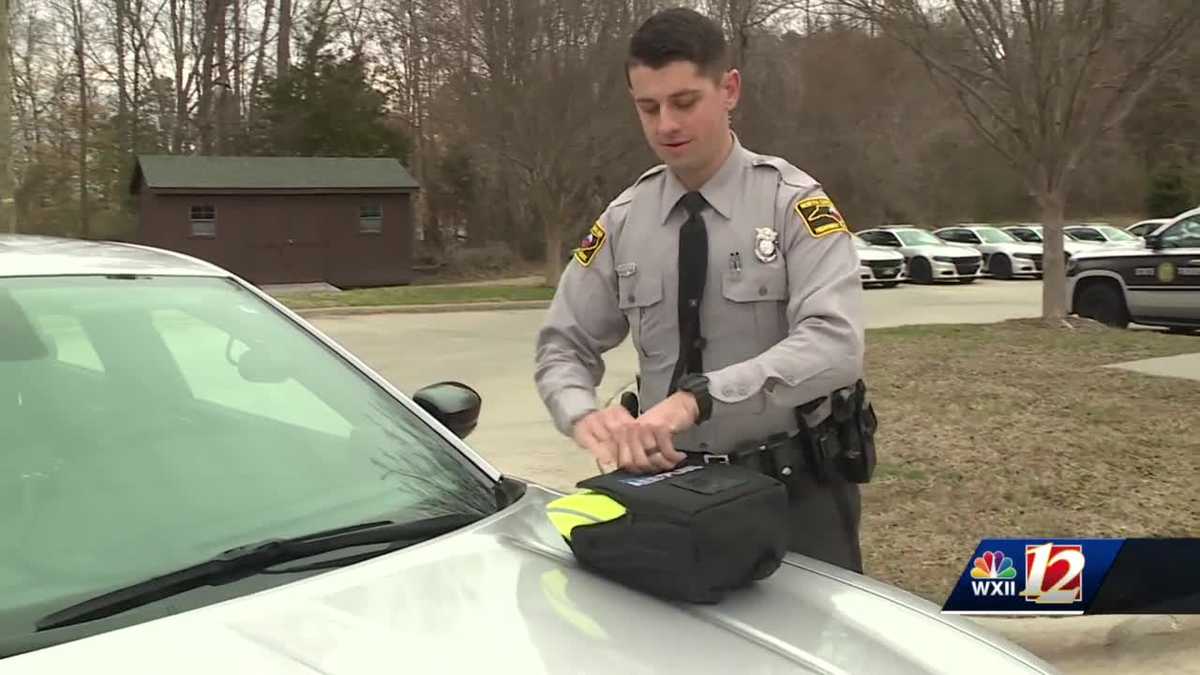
(346, 221)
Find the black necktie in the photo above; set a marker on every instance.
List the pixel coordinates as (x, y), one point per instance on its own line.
(693, 269)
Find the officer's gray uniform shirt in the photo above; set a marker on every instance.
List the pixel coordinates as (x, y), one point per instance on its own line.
(780, 330)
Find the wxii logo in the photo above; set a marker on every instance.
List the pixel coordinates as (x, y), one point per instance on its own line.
(993, 574)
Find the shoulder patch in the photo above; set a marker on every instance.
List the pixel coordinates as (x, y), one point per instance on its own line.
(788, 172)
(820, 216)
(591, 244)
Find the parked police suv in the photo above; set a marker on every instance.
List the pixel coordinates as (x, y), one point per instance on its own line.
(1155, 285)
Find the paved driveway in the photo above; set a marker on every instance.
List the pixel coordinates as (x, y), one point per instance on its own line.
(493, 352)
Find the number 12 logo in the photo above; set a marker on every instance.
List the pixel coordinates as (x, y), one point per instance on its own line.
(1053, 573)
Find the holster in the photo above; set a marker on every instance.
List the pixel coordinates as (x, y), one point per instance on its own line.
(843, 441)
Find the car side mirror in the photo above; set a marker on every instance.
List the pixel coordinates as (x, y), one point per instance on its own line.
(453, 404)
(1153, 241)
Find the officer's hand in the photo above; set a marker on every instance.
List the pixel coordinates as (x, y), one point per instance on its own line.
(597, 433)
(675, 413)
(617, 440)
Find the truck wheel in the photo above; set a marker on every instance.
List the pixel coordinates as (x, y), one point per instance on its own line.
(1104, 303)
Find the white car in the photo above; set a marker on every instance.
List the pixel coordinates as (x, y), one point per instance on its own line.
(1105, 235)
(878, 265)
(195, 480)
(928, 258)
(1004, 256)
(1034, 233)
(1145, 227)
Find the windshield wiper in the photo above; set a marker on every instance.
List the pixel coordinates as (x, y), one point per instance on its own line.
(243, 561)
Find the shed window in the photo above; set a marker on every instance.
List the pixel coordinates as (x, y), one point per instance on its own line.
(370, 218)
(204, 221)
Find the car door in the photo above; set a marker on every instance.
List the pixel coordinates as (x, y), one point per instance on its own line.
(1166, 284)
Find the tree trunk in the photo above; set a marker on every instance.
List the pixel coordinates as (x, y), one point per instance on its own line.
(7, 204)
(252, 97)
(124, 141)
(178, 56)
(221, 88)
(84, 122)
(554, 242)
(1054, 281)
(283, 52)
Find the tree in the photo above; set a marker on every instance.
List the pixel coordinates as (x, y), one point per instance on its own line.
(7, 204)
(325, 106)
(1041, 81)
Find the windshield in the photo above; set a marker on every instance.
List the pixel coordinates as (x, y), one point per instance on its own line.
(919, 238)
(154, 423)
(991, 235)
(1027, 235)
(1115, 234)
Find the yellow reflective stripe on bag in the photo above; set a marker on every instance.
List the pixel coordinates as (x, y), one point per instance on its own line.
(582, 508)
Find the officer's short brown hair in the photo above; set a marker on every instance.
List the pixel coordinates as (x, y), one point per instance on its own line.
(679, 34)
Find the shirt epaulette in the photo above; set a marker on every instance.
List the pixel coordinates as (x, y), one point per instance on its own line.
(788, 173)
(627, 195)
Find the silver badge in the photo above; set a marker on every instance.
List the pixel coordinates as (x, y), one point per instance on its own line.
(764, 245)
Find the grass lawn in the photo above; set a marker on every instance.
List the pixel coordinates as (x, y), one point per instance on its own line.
(415, 295)
(1014, 429)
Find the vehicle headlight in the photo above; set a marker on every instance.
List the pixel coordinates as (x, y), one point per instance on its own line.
(1072, 267)
(1024, 256)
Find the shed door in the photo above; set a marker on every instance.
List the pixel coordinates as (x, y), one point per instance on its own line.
(303, 250)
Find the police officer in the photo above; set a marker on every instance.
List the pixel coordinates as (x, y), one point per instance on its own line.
(737, 280)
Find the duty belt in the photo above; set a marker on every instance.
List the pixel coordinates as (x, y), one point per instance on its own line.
(781, 455)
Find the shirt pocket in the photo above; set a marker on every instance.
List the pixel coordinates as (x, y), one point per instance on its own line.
(641, 299)
(759, 294)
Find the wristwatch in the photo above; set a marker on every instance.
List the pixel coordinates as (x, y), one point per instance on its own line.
(697, 385)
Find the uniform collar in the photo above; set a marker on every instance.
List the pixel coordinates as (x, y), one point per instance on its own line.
(718, 191)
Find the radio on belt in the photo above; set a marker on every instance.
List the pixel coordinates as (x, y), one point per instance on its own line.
(692, 534)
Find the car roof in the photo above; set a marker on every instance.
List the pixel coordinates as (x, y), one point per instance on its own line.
(24, 255)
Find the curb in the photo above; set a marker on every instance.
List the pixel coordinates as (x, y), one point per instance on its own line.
(351, 310)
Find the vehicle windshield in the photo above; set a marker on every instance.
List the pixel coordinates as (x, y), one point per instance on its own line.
(1115, 234)
(992, 235)
(1028, 235)
(155, 422)
(919, 238)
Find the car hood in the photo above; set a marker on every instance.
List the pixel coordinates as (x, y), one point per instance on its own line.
(506, 594)
(1106, 252)
(880, 254)
(1071, 246)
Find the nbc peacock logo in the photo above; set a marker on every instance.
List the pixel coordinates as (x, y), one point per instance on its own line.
(993, 574)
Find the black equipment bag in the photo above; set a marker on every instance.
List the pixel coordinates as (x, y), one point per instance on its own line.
(691, 534)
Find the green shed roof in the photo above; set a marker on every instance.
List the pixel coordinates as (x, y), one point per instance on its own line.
(205, 172)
